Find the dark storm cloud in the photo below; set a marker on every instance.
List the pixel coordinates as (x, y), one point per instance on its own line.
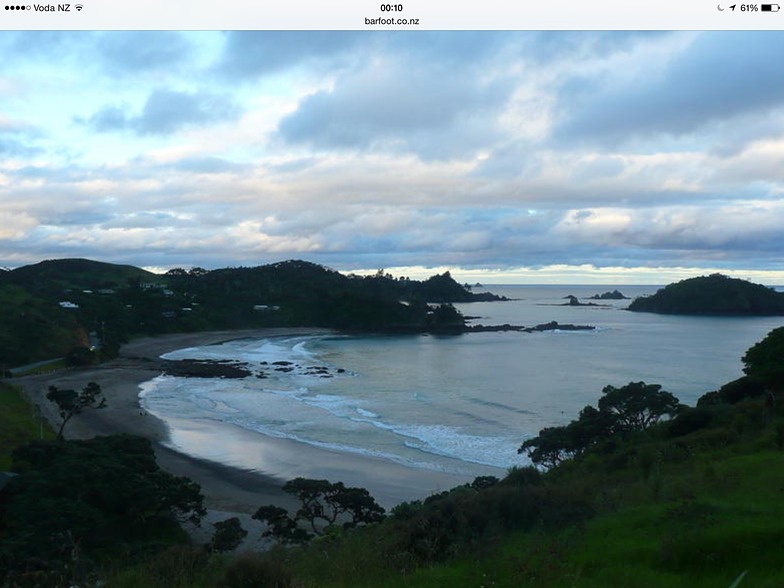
(718, 77)
(167, 111)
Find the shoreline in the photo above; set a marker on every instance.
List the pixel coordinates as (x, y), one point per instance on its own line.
(226, 486)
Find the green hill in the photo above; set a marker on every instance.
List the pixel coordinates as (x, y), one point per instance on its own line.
(58, 275)
(713, 295)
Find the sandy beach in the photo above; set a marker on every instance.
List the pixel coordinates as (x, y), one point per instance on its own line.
(228, 490)
(224, 487)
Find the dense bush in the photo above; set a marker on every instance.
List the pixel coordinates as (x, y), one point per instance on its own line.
(523, 476)
(228, 535)
(690, 420)
(466, 520)
(733, 392)
(77, 501)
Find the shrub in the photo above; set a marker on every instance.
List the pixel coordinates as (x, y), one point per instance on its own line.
(464, 520)
(253, 570)
(710, 438)
(741, 389)
(228, 535)
(525, 476)
(179, 565)
(406, 510)
(688, 421)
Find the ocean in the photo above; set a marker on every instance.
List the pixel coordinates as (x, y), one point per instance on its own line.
(460, 404)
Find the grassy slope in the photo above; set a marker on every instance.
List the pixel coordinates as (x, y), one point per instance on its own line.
(18, 424)
(78, 274)
(702, 524)
(694, 519)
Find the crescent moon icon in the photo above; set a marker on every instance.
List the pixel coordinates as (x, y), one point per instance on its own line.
(720, 8)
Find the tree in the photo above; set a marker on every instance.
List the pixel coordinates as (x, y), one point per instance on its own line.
(323, 505)
(71, 402)
(637, 405)
(228, 535)
(764, 361)
(634, 407)
(733, 392)
(555, 444)
(550, 447)
(281, 525)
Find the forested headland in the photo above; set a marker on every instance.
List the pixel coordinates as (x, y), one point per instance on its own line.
(84, 310)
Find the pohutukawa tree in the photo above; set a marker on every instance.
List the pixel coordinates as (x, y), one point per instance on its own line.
(764, 361)
(637, 405)
(634, 407)
(70, 402)
(324, 505)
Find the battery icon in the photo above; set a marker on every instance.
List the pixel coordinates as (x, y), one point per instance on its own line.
(770, 7)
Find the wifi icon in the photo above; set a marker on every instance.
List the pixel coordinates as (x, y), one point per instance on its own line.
(79, 7)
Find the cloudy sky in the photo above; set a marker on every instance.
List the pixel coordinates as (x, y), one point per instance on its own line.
(505, 156)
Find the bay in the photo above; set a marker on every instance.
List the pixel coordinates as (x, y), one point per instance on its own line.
(459, 405)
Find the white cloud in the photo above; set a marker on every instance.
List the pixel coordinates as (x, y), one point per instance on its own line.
(473, 150)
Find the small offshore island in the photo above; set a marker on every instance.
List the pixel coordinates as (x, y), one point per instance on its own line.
(716, 295)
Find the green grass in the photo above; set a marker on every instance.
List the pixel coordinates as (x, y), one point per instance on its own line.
(18, 423)
(704, 510)
(731, 521)
(44, 368)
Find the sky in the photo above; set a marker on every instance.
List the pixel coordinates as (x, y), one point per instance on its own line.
(505, 157)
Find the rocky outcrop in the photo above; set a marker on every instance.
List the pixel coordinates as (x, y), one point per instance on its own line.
(614, 295)
(551, 326)
(574, 301)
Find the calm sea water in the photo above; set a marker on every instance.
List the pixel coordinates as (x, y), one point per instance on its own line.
(457, 404)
